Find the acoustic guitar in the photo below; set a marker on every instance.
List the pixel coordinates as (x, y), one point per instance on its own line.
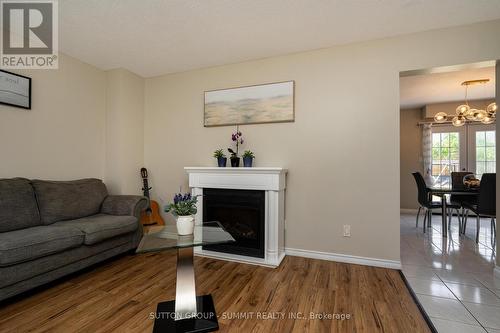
(151, 215)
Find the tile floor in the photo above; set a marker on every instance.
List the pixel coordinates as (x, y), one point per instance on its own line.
(452, 277)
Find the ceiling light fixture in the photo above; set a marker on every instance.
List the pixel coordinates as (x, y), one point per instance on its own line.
(464, 112)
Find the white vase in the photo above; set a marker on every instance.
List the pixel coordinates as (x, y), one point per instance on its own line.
(185, 225)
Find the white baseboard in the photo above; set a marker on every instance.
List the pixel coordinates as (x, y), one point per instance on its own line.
(497, 271)
(238, 258)
(392, 264)
(408, 211)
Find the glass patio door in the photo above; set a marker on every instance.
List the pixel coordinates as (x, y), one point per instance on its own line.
(449, 152)
(481, 149)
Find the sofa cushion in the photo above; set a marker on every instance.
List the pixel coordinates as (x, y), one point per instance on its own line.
(68, 200)
(18, 208)
(31, 243)
(102, 226)
(25, 270)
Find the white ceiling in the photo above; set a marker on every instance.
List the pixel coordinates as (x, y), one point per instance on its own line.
(154, 37)
(417, 91)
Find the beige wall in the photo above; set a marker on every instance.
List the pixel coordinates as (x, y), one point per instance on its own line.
(411, 156)
(84, 122)
(63, 135)
(343, 149)
(124, 131)
(497, 97)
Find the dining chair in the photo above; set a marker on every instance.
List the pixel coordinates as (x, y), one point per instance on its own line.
(485, 204)
(424, 200)
(457, 184)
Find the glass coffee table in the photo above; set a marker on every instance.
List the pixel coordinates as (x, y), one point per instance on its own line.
(188, 312)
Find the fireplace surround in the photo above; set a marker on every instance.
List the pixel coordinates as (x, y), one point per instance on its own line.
(236, 196)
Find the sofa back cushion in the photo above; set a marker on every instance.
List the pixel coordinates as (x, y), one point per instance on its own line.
(67, 200)
(18, 208)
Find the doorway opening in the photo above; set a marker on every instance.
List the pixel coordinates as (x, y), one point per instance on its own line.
(446, 140)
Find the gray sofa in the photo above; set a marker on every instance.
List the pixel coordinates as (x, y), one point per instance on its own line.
(49, 229)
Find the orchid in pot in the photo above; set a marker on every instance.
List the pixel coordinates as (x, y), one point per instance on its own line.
(237, 138)
(183, 209)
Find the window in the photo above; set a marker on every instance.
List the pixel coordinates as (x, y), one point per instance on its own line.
(485, 153)
(445, 156)
(467, 148)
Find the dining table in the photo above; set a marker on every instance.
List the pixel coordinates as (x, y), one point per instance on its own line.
(443, 191)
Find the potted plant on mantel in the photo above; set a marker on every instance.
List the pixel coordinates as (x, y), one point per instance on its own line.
(248, 157)
(183, 209)
(236, 137)
(221, 158)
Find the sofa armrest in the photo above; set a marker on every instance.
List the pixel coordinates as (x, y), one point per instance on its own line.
(124, 205)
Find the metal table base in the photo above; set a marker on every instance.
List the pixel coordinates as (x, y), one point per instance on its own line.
(187, 313)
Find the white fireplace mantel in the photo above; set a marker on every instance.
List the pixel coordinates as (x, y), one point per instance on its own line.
(272, 180)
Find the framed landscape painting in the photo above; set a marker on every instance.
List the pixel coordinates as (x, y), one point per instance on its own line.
(15, 90)
(265, 103)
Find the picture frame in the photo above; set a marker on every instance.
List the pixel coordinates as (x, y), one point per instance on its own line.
(15, 90)
(253, 104)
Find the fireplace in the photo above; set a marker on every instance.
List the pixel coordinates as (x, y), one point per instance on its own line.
(250, 202)
(242, 213)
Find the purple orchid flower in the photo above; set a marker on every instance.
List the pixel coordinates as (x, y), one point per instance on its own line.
(237, 137)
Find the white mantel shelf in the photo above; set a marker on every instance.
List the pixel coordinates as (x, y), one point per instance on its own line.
(265, 178)
(272, 180)
(237, 170)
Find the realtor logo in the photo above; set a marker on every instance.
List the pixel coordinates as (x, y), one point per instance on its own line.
(29, 34)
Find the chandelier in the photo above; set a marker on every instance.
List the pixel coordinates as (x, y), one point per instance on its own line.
(465, 112)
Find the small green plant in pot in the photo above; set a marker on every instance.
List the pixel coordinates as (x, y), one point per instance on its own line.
(183, 209)
(248, 157)
(221, 158)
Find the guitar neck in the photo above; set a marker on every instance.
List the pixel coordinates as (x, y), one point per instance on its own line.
(145, 188)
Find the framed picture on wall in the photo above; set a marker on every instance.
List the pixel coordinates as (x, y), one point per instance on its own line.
(264, 103)
(15, 90)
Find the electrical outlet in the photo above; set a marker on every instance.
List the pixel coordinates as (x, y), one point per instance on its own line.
(347, 230)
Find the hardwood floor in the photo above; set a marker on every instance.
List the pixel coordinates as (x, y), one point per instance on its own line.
(120, 295)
